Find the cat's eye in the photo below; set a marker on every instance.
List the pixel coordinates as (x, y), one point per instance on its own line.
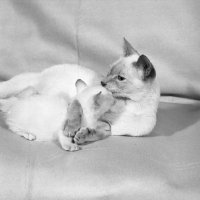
(120, 78)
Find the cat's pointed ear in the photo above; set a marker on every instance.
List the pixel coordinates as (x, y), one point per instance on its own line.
(80, 86)
(148, 68)
(97, 99)
(128, 49)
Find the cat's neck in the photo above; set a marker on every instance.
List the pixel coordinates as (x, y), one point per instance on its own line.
(123, 98)
(143, 99)
(149, 102)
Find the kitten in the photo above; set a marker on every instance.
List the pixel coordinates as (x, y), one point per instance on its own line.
(132, 81)
(96, 128)
(44, 117)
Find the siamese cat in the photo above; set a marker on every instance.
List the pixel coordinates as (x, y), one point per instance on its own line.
(132, 82)
(43, 117)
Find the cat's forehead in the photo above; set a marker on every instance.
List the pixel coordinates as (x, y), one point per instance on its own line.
(117, 67)
(122, 65)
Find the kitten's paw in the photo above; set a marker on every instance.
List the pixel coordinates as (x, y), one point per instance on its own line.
(28, 136)
(69, 133)
(84, 135)
(70, 147)
(31, 137)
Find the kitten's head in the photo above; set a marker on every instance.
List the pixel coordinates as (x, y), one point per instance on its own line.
(95, 101)
(131, 76)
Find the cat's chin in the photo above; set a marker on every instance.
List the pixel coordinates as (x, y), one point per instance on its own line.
(117, 95)
(120, 96)
(114, 94)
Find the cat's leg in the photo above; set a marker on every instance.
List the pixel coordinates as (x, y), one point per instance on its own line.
(17, 84)
(29, 91)
(5, 104)
(67, 142)
(27, 136)
(21, 132)
(73, 122)
(85, 134)
(24, 134)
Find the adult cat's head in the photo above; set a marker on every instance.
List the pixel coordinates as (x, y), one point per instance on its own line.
(131, 76)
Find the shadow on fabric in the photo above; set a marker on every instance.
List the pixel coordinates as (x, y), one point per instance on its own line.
(172, 118)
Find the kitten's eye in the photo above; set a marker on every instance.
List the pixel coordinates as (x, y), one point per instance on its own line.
(120, 78)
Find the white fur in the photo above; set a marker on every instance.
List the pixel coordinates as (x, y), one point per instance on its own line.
(40, 115)
(136, 113)
(130, 59)
(138, 117)
(86, 100)
(56, 80)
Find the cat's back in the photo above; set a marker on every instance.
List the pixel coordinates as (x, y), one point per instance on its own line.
(70, 69)
(62, 79)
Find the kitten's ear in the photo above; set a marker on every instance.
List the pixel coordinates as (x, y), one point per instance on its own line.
(80, 86)
(97, 99)
(148, 68)
(128, 49)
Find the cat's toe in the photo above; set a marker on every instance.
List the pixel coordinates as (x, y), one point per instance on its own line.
(74, 147)
(69, 133)
(77, 139)
(31, 137)
(70, 147)
(81, 135)
(28, 136)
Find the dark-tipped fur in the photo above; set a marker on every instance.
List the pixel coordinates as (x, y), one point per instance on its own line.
(148, 68)
(128, 49)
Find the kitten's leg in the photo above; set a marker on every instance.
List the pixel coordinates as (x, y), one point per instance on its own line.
(28, 136)
(5, 104)
(17, 84)
(67, 142)
(19, 131)
(30, 91)
(85, 134)
(73, 123)
(24, 134)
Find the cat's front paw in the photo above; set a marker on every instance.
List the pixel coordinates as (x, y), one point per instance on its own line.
(84, 135)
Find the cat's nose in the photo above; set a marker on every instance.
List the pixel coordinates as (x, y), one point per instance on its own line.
(103, 84)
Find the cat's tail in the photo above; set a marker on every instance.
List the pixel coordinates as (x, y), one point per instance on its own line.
(17, 84)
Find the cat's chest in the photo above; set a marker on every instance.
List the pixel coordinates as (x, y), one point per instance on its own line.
(122, 111)
(115, 112)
